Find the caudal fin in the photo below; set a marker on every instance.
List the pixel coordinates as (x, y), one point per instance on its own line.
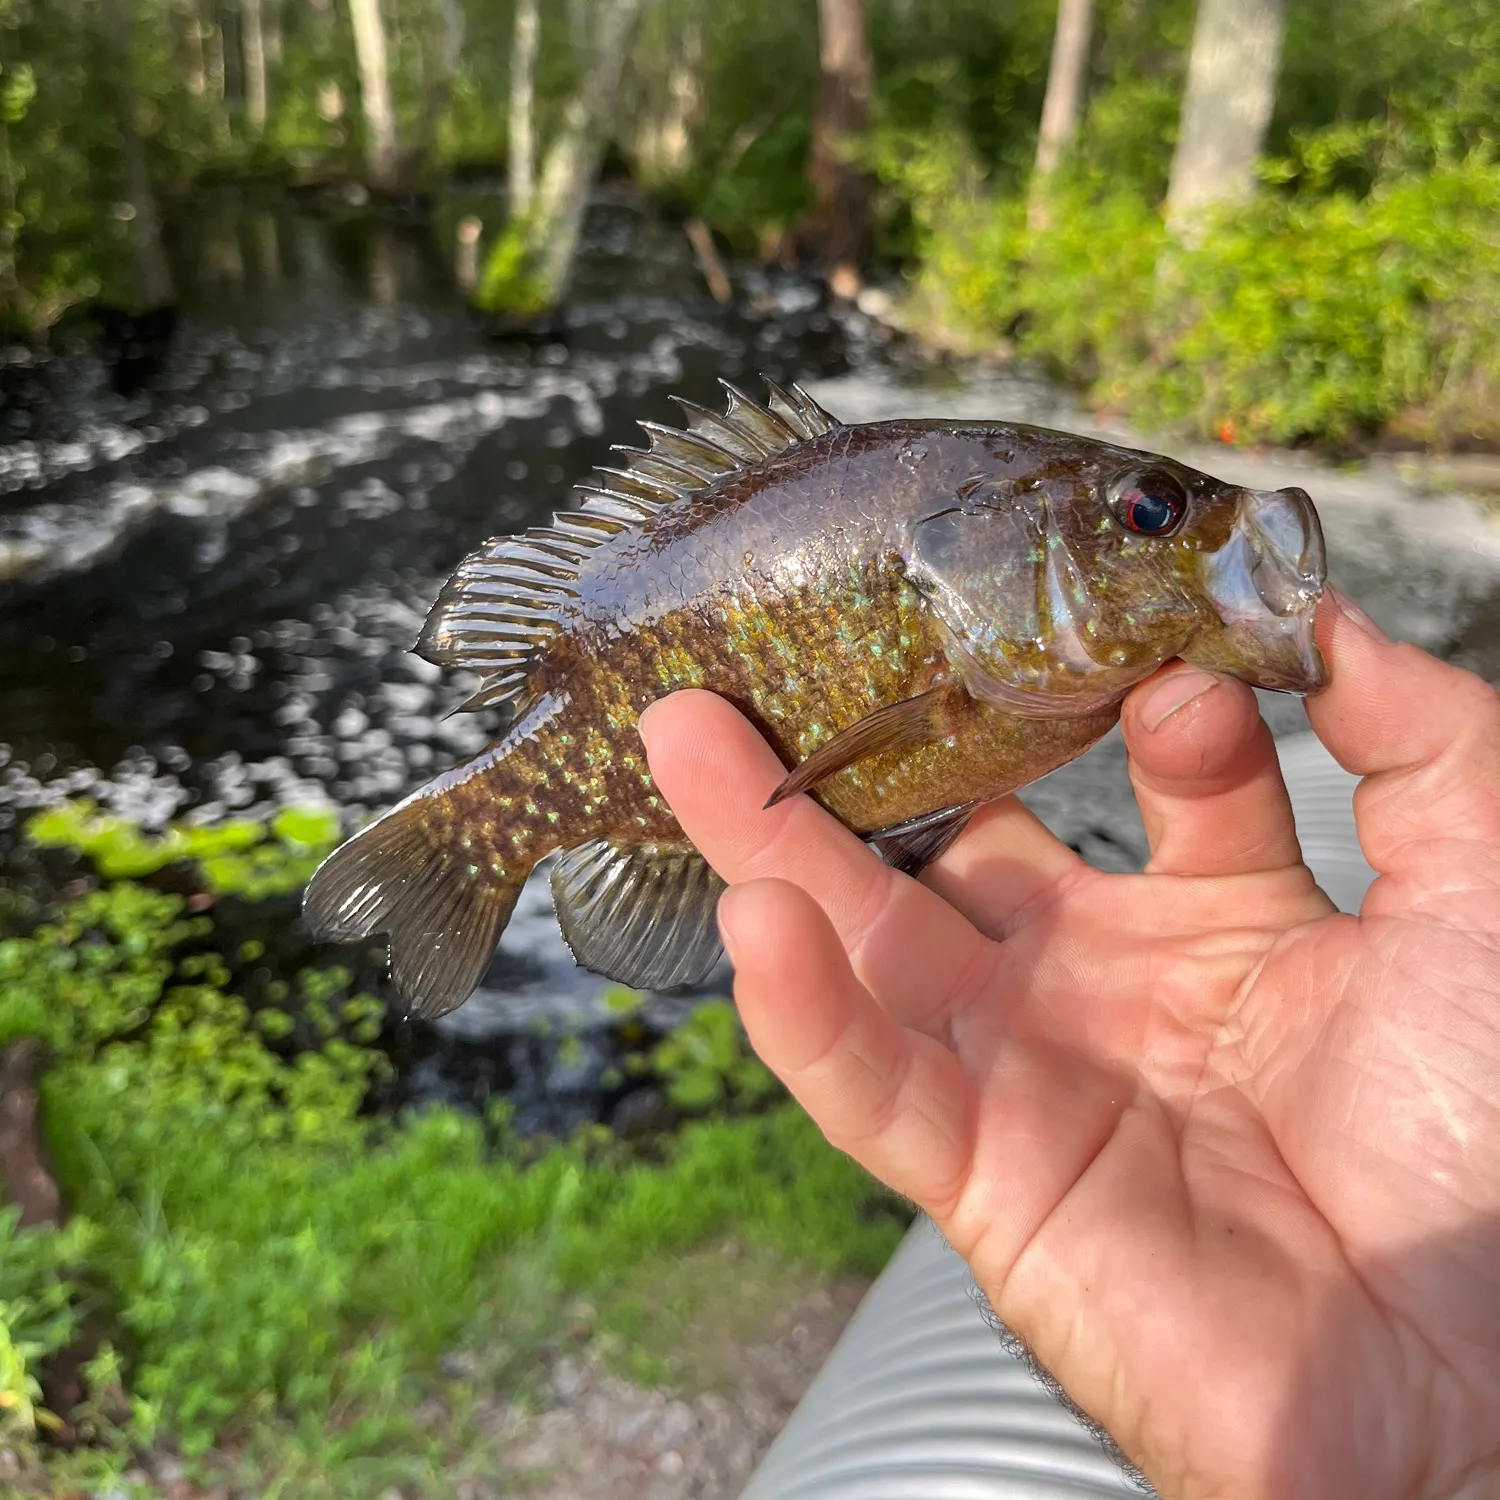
(443, 916)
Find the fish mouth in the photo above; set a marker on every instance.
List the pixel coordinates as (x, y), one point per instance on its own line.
(1264, 585)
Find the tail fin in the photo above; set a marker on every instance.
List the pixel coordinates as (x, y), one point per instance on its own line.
(443, 916)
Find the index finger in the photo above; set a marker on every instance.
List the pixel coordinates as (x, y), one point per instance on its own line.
(1425, 735)
(908, 947)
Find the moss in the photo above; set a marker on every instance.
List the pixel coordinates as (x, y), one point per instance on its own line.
(510, 283)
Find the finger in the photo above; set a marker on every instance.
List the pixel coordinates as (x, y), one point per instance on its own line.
(1006, 863)
(892, 1098)
(1426, 736)
(907, 945)
(1205, 773)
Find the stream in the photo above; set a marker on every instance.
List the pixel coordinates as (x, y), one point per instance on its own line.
(213, 563)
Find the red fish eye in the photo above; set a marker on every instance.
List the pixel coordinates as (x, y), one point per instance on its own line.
(1148, 502)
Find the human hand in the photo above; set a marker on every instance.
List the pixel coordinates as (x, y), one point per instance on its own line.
(1227, 1160)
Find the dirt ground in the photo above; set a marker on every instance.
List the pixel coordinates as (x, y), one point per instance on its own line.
(598, 1436)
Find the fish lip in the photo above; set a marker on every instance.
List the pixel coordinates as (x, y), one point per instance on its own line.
(1286, 536)
(1264, 584)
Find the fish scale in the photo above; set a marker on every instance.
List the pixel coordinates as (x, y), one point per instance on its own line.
(918, 616)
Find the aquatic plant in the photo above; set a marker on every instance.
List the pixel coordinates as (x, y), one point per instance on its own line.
(236, 857)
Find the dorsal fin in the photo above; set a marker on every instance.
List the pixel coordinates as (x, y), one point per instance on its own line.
(499, 610)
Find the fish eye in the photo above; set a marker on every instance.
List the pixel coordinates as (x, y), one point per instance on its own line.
(1149, 502)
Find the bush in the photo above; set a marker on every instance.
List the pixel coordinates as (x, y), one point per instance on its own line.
(1298, 315)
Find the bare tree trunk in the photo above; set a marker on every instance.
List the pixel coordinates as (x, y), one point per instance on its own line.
(192, 46)
(212, 35)
(437, 87)
(273, 34)
(663, 145)
(382, 150)
(1063, 103)
(573, 158)
(253, 38)
(1231, 91)
(521, 133)
(837, 230)
(153, 277)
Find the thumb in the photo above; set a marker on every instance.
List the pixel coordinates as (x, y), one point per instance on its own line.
(1425, 735)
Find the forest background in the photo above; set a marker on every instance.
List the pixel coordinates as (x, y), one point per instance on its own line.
(1262, 219)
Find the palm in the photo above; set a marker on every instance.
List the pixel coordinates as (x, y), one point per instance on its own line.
(1228, 1161)
(1160, 1183)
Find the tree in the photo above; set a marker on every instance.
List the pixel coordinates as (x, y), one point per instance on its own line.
(253, 39)
(837, 231)
(667, 104)
(382, 150)
(528, 270)
(1064, 99)
(1231, 91)
(442, 55)
(153, 277)
(521, 136)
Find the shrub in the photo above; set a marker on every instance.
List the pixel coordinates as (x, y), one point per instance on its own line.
(1298, 315)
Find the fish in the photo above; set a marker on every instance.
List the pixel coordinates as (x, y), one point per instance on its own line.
(920, 616)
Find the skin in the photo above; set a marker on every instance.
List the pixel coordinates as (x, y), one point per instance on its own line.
(1227, 1160)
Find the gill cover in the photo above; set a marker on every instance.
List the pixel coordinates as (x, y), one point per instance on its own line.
(1029, 619)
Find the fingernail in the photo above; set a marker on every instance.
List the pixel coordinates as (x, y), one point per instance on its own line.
(725, 935)
(1174, 693)
(641, 724)
(1358, 618)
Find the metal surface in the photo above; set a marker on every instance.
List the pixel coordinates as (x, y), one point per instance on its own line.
(919, 1401)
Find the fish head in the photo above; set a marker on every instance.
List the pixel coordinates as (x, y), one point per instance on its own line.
(1058, 587)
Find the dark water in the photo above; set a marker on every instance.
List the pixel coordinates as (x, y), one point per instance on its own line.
(208, 585)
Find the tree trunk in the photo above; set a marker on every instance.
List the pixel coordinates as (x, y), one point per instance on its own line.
(529, 268)
(153, 277)
(437, 87)
(253, 38)
(213, 42)
(837, 231)
(1231, 91)
(672, 110)
(382, 151)
(274, 39)
(521, 134)
(1063, 103)
(192, 46)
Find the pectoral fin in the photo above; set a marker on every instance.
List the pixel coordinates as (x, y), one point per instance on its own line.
(911, 846)
(899, 726)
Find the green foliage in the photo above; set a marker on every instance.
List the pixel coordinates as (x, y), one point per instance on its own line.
(237, 857)
(1335, 316)
(39, 1313)
(272, 1256)
(706, 1064)
(1300, 315)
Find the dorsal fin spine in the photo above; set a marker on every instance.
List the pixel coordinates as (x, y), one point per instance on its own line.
(501, 608)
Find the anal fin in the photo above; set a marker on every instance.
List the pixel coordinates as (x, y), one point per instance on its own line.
(898, 726)
(913, 845)
(641, 914)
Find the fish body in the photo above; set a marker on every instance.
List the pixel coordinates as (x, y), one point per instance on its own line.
(920, 616)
